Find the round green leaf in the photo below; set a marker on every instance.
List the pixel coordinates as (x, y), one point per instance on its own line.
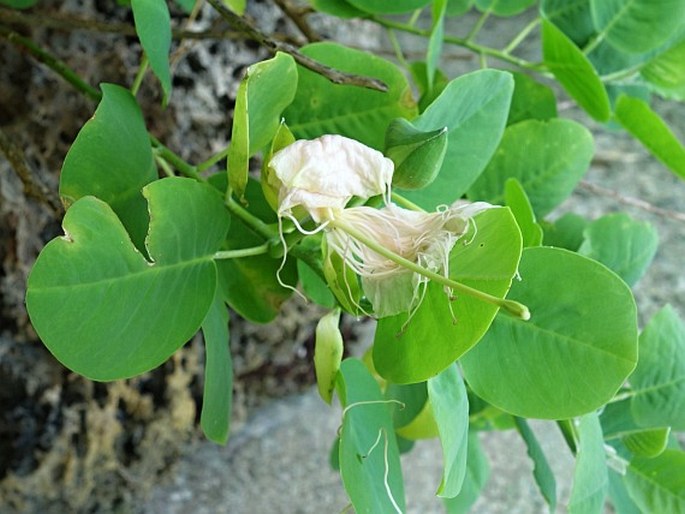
(321, 107)
(439, 333)
(474, 108)
(104, 310)
(385, 7)
(531, 100)
(622, 244)
(96, 165)
(573, 18)
(576, 350)
(548, 158)
(637, 25)
(504, 7)
(339, 8)
(590, 477)
(666, 72)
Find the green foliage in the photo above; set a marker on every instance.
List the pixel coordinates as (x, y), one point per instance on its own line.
(321, 107)
(474, 108)
(92, 287)
(578, 347)
(444, 328)
(95, 164)
(154, 30)
(535, 331)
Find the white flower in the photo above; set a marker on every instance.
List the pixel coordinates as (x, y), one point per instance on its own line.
(323, 174)
(423, 238)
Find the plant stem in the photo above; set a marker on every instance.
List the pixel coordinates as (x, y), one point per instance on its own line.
(521, 36)
(164, 165)
(515, 308)
(404, 202)
(335, 76)
(252, 221)
(479, 25)
(140, 75)
(242, 252)
(51, 62)
(465, 43)
(212, 160)
(176, 161)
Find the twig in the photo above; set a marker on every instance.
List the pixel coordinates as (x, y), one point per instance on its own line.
(631, 201)
(335, 76)
(50, 61)
(297, 16)
(71, 23)
(35, 190)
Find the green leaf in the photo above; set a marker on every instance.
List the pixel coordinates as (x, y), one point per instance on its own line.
(435, 41)
(648, 443)
(447, 395)
(544, 477)
(186, 5)
(314, 286)
(618, 495)
(504, 7)
(566, 232)
(547, 157)
(414, 350)
(385, 7)
(590, 477)
(650, 129)
(412, 399)
(658, 382)
(666, 72)
(622, 244)
(658, 485)
(95, 164)
(574, 72)
(237, 6)
(474, 108)
(417, 155)
(257, 113)
(573, 354)
(249, 284)
(477, 474)
(516, 199)
(339, 8)
(368, 448)
(321, 107)
(531, 100)
(618, 422)
(19, 4)
(217, 399)
(153, 26)
(637, 26)
(573, 18)
(328, 351)
(106, 312)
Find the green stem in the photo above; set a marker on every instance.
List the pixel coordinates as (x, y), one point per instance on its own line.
(252, 221)
(465, 43)
(173, 159)
(479, 25)
(140, 75)
(242, 252)
(51, 62)
(164, 165)
(397, 48)
(406, 203)
(593, 43)
(622, 74)
(212, 160)
(521, 36)
(515, 308)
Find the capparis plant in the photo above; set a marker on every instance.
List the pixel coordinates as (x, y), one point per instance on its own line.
(396, 192)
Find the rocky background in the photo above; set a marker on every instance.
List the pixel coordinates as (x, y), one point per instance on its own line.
(71, 445)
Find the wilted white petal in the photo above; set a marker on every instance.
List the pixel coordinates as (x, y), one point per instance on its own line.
(323, 174)
(425, 238)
